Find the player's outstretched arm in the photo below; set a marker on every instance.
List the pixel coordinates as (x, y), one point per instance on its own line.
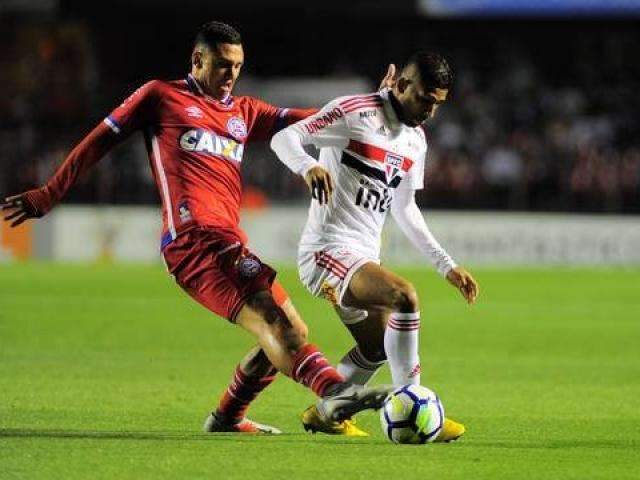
(411, 222)
(38, 202)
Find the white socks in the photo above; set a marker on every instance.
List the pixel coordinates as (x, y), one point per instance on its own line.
(401, 347)
(355, 368)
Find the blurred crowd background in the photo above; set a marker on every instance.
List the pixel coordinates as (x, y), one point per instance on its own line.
(544, 115)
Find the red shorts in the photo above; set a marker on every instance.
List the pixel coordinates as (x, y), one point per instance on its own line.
(215, 268)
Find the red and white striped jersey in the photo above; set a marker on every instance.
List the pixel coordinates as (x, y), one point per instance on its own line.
(369, 154)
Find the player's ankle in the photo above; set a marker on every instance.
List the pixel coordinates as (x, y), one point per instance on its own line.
(226, 419)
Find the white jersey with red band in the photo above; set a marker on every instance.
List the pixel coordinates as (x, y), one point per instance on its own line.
(371, 157)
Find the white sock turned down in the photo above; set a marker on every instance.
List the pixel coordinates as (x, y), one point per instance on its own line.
(356, 368)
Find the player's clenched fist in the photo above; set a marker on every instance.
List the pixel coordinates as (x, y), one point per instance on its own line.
(320, 184)
(18, 208)
(463, 281)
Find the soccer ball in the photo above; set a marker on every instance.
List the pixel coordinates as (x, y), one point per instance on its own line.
(412, 414)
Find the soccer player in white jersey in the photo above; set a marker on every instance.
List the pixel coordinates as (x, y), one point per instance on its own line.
(372, 159)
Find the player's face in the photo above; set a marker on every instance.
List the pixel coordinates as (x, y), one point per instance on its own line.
(418, 104)
(218, 69)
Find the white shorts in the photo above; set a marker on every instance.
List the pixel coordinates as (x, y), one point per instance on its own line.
(326, 273)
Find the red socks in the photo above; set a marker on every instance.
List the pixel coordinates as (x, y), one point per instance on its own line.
(310, 368)
(241, 392)
(313, 370)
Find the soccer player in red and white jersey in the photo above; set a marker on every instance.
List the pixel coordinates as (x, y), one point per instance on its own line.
(195, 132)
(372, 156)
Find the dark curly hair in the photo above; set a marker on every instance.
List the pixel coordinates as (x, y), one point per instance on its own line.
(433, 68)
(213, 33)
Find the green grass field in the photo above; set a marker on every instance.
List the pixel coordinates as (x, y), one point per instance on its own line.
(108, 371)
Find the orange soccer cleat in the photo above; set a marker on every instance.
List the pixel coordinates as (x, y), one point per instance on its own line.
(215, 424)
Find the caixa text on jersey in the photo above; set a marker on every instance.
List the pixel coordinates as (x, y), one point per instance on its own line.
(207, 142)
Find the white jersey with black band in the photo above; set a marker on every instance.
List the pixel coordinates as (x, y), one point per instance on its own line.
(376, 164)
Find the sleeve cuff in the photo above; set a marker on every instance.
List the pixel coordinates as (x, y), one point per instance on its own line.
(40, 201)
(446, 268)
(308, 165)
(112, 124)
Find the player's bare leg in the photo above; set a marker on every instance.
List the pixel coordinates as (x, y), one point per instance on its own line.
(279, 330)
(374, 287)
(380, 289)
(253, 374)
(362, 362)
(283, 336)
(369, 336)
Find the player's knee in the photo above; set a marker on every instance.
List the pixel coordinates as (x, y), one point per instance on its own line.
(404, 298)
(292, 333)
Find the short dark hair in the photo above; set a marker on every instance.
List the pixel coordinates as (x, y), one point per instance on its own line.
(213, 33)
(433, 68)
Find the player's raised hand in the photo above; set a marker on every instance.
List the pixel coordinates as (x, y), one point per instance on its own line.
(17, 209)
(320, 184)
(465, 283)
(389, 79)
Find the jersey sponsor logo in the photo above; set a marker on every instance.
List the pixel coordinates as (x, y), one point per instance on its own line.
(382, 131)
(237, 128)
(194, 112)
(199, 140)
(324, 121)
(392, 165)
(368, 113)
(371, 197)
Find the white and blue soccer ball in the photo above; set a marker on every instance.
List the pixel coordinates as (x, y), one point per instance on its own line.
(412, 414)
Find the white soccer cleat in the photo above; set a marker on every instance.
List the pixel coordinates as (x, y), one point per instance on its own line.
(351, 400)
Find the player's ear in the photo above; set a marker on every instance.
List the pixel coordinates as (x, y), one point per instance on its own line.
(196, 58)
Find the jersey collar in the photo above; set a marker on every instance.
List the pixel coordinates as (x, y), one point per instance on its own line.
(196, 89)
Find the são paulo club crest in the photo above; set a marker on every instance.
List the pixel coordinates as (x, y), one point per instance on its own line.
(237, 128)
(392, 165)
